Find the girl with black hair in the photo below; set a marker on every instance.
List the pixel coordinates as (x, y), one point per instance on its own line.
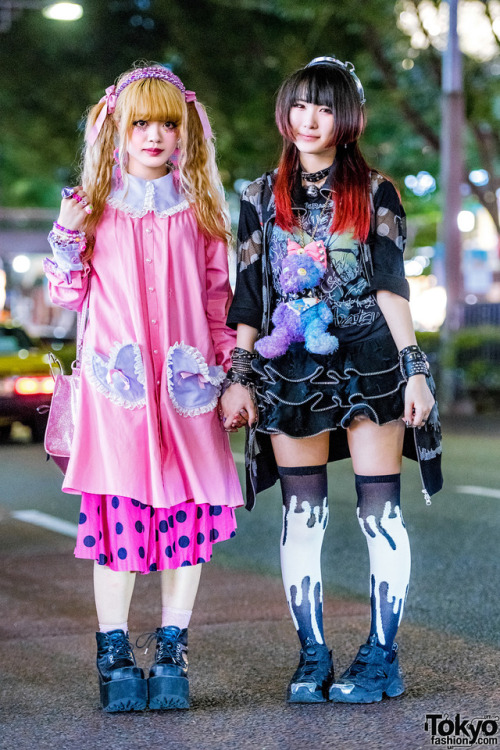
(327, 365)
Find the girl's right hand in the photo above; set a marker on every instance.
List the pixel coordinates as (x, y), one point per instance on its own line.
(238, 407)
(73, 214)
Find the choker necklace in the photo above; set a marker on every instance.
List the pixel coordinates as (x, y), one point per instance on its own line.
(312, 191)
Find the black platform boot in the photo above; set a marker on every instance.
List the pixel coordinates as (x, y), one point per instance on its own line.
(168, 681)
(121, 683)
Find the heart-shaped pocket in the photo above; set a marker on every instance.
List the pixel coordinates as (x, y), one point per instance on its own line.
(193, 386)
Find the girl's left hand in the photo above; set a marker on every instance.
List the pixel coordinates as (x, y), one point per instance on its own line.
(418, 401)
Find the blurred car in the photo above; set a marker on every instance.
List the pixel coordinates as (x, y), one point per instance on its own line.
(25, 382)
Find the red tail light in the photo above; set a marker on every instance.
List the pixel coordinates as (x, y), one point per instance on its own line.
(31, 386)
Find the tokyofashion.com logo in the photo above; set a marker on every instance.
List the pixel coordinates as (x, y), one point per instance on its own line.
(454, 732)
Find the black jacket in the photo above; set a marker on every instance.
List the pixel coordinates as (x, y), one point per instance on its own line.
(253, 305)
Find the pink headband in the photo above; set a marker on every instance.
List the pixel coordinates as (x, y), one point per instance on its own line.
(112, 93)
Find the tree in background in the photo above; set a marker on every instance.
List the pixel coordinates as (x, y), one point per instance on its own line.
(236, 52)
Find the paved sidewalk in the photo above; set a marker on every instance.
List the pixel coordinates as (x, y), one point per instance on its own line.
(243, 651)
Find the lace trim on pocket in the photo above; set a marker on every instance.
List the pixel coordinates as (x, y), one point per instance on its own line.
(193, 386)
(120, 377)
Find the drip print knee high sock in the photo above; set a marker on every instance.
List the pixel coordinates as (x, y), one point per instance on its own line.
(305, 517)
(380, 519)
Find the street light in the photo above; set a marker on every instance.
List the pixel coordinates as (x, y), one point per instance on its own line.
(63, 11)
(9, 9)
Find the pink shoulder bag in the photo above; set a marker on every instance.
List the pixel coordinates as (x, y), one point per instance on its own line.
(64, 403)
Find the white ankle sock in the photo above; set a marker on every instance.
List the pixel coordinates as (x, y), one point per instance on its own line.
(178, 617)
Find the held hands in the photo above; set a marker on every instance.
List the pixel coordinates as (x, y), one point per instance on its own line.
(237, 408)
(418, 401)
(74, 209)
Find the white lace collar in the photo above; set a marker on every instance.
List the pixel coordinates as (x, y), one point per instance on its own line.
(139, 196)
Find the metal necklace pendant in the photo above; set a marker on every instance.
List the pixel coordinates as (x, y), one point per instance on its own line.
(312, 191)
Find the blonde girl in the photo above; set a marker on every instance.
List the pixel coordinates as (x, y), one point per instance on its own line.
(143, 243)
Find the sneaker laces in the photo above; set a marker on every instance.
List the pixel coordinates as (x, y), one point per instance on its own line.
(167, 644)
(149, 637)
(119, 646)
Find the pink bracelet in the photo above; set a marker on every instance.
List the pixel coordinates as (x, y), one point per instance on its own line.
(74, 232)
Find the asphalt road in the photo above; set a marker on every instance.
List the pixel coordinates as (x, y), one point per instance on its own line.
(242, 645)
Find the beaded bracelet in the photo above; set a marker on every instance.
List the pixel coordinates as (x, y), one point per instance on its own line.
(413, 361)
(67, 231)
(75, 234)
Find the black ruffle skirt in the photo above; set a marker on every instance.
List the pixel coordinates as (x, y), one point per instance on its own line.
(302, 394)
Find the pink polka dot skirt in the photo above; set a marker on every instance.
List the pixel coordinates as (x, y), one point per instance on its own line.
(125, 534)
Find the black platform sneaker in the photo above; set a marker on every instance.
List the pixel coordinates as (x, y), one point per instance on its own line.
(314, 675)
(121, 682)
(373, 674)
(168, 682)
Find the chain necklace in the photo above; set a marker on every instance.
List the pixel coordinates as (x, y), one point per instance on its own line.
(315, 228)
(314, 248)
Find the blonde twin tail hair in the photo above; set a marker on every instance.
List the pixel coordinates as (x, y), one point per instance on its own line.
(97, 170)
(200, 178)
(155, 99)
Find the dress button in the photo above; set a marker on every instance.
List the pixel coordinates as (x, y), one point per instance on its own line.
(153, 322)
(148, 260)
(155, 351)
(148, 231)
(157, 382)
(151, 288)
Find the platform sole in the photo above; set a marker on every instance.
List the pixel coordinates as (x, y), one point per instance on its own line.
(346, 694)
(168, 692)
(123, 695)
(305, 693)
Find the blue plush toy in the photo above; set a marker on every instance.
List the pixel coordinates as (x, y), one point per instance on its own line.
(303, 319)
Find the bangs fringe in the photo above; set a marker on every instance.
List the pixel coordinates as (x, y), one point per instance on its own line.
(151, 99)
(314, 91)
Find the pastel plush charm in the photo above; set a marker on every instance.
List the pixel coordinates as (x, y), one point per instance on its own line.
(305, 318)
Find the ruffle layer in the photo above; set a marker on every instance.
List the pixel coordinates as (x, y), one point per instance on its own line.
(302, 394)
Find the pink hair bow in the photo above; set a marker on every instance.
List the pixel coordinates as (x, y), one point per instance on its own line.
(315, 250)
(110, 99)
(207, 130)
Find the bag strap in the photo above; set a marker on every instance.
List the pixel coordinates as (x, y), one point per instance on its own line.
(55, 364)
(81, 325)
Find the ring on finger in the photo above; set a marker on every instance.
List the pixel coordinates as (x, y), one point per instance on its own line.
(77, 198)
(67, 192)
(89, 208)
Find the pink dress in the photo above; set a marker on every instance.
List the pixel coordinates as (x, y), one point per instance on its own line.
(155, 351)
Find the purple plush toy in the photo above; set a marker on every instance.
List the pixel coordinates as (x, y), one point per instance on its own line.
(303, 319)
